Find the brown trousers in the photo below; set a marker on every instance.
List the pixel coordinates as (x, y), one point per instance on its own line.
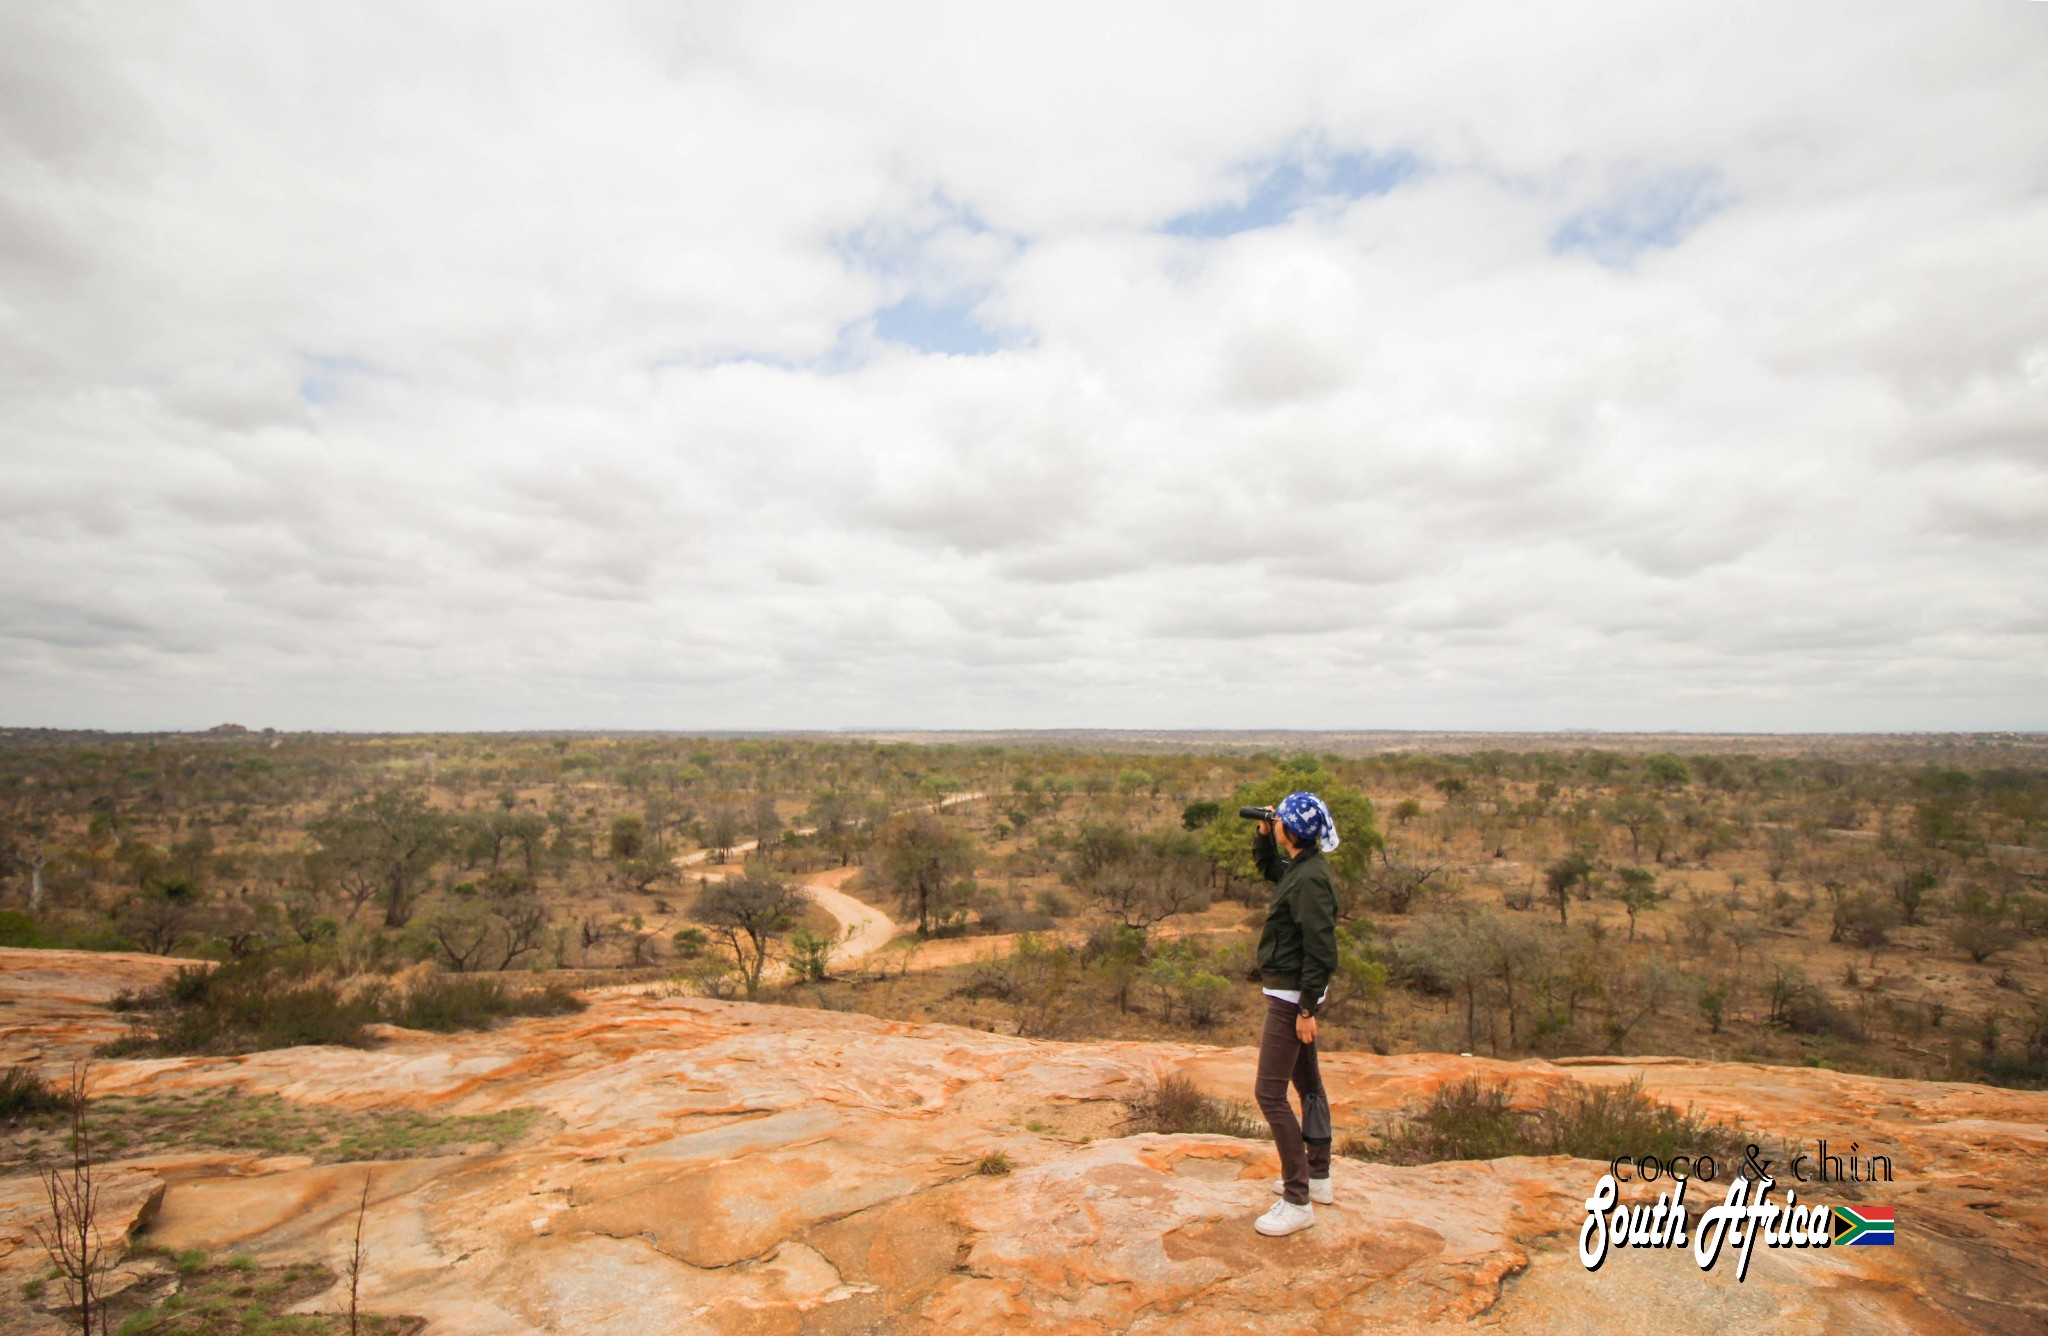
(1283, 1058)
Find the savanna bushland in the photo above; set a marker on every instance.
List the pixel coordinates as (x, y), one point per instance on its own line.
(1874, 904)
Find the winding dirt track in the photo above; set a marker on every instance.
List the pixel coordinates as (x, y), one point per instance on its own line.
(862, 927)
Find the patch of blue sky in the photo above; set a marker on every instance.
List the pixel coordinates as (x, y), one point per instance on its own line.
(1644, 211)
(895, 246)
(937, 313)
(941, 325)
(321, 376)
(1276, 191)
(949, 326)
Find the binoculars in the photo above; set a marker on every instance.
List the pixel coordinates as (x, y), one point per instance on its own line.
(1258, 814)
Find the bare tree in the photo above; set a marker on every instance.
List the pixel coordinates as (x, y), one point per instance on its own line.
(765, 822)
(161, 914)
(526, 921)
(1510, 953)
(355, 1259)
(721, 832)
(73, 1239)
(37, 858)
(1395, 884)
(1138, 880)
(464, 933)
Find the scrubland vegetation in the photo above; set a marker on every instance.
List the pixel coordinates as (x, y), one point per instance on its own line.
(1874, 906)
(226, 1119)
(1475, 1119)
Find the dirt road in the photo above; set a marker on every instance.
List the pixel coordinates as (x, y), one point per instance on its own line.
(862, 927)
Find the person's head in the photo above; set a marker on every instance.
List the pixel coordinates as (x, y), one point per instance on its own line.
(1305, 823)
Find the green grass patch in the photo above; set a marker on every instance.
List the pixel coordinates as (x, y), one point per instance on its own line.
(231, 1120)
(239, 1296)
(59, 933)
(1472, 1120)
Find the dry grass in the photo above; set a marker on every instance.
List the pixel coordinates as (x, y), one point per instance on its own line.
(1473, 1120)
(1177, 1105)
(266, 1002)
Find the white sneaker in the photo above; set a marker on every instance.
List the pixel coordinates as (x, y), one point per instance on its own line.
(1285, 1218)
(1319, 1191)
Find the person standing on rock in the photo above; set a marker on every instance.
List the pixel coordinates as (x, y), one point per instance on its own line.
(1297, 956)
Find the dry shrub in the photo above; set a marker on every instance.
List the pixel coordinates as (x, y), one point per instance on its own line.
(24, 1094)
(1472, 1120)
(1176, 1105)
(264, 1002)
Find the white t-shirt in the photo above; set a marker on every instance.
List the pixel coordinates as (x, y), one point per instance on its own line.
(1294, 995)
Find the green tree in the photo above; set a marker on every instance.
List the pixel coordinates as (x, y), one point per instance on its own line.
(836, 818)
(1667, 771)
(628, 837)
(637, 861)
(1227, 842)
(766, 823)
(1980, 927)
(922, 857)
(1636, 815)
(1638, 891)
(1560, 877)
(1450, 952)
(748, 915)
(1118, 955)
(1360, 978)
(810, 956)
(1713, 1004)
(1911, 884)
(383, 847)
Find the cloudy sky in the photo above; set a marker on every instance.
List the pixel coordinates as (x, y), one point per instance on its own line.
(756, 365)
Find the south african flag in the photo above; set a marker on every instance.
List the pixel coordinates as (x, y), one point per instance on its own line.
(1863, 1224)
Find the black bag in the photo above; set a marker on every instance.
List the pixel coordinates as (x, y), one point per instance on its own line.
(1315, 1118)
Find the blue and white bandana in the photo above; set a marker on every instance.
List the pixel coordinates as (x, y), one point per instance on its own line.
(1308, 820)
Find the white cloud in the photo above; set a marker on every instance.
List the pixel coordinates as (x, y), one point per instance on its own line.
(1595, 365)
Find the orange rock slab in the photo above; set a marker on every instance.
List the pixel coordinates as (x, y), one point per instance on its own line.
(725, 1167)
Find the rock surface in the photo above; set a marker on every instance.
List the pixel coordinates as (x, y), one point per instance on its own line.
(726, 1167)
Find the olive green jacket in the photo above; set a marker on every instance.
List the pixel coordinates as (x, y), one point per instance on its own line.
(1298, 949)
